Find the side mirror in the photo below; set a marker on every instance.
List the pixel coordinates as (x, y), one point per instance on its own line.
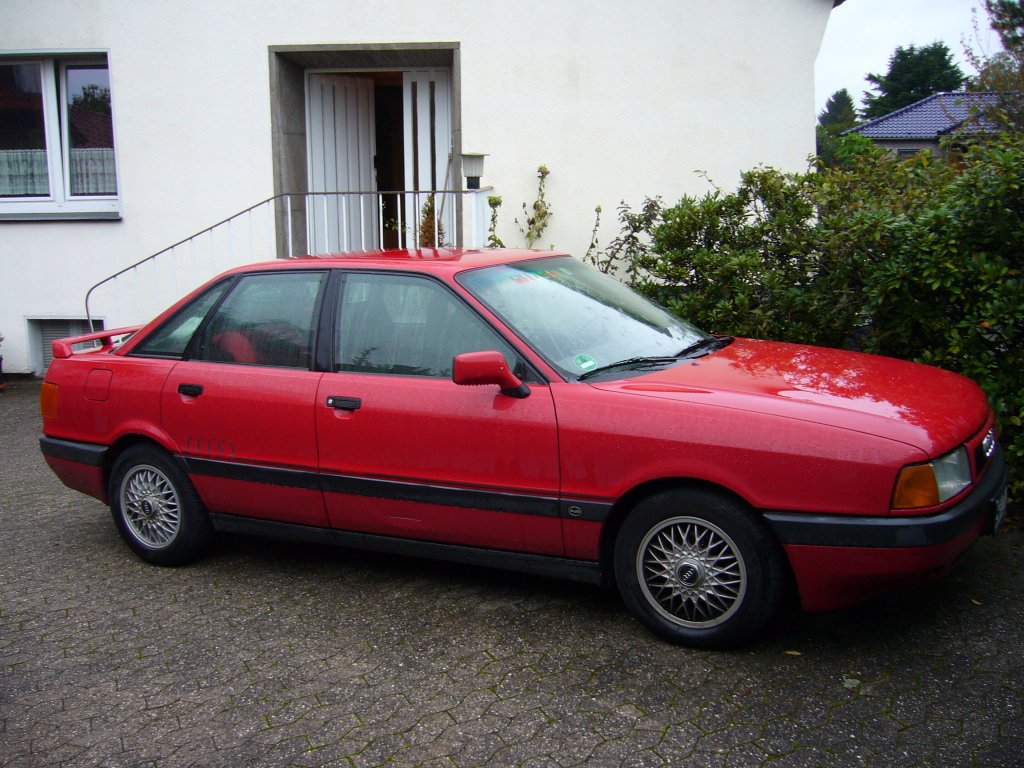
(478, 368)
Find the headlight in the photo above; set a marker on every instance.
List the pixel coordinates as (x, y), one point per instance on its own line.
(927, 485)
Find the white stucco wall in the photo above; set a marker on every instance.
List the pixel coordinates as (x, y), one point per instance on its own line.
(619, 100)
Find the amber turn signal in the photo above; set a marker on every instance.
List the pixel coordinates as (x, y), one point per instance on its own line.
(916, 488)
(48, 400)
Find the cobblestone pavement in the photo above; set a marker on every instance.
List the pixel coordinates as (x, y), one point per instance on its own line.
(266, 654)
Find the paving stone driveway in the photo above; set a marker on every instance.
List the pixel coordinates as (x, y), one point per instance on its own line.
(270, 655)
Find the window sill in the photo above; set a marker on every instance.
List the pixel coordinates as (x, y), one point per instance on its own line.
(100, 209)
(60, 216)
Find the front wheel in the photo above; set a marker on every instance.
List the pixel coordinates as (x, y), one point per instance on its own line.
(156, 509)
(698, 569)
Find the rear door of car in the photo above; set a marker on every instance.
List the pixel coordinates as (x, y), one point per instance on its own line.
(406, 452)
(240, 407)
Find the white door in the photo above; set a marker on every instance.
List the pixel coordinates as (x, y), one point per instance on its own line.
(341, 147)
(427, 122)
(341, 141)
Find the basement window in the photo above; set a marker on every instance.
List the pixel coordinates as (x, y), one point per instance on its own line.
(45, 332)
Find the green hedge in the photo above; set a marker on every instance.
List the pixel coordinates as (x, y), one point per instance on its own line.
(919, 259)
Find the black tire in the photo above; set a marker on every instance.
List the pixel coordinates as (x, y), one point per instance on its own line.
(156, 509)
(698, 568)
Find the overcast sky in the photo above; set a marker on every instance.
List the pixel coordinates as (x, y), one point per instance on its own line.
(862, 35)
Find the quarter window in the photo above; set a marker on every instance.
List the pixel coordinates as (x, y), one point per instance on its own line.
(173, 337)
(57, 139)
(406, 325)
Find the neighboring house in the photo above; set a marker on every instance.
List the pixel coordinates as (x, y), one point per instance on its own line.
(126, 127)
(923, 124)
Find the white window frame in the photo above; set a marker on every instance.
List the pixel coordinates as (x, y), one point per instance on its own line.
(60, 203)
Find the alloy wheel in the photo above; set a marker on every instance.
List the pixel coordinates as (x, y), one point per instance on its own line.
(149, 504)
(691, 572)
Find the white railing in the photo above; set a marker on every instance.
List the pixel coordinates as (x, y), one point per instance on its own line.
(288, 226)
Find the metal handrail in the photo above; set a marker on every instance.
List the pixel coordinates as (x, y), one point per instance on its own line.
(280, 196)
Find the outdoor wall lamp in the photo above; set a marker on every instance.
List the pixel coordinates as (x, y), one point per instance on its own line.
(473, 168)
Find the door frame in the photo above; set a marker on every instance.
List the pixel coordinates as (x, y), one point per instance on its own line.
(288, 67)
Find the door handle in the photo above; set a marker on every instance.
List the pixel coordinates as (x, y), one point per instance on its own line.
(190, 390)
(344, 403)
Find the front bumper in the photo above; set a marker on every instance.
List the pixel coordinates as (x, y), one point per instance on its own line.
(841, 560)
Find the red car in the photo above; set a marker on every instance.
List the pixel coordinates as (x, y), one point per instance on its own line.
(518, 409)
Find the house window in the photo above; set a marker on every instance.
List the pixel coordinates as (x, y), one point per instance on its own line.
(57, 139)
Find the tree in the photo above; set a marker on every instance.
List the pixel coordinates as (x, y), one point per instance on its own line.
(839, 115)
(1007, 18)
(914, 74)
(93, 98)
(1003, 72)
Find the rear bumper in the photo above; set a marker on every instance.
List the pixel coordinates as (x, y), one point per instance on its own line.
(78, 465)
(840, 560)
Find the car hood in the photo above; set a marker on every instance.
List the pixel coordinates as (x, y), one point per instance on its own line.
(925, 407)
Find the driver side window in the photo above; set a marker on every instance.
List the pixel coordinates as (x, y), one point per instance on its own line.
(405, 325)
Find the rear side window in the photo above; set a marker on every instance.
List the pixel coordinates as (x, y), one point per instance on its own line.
(267, 319)
(172, 338)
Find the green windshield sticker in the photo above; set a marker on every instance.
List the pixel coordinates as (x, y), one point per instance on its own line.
(585, 362)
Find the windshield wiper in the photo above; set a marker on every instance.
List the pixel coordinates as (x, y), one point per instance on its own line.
(707, 344)
(704, 345)
(628, 362)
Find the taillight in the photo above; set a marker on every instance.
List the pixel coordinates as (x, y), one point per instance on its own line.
(48, 400)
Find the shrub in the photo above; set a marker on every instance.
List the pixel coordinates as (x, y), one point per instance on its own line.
(748, 261)
(917, 258)
(950, 291)
(431, 230)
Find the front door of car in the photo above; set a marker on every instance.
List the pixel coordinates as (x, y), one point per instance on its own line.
(404, 451)
(241, 407)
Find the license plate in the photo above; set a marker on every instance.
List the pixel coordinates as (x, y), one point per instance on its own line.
(1000, 511)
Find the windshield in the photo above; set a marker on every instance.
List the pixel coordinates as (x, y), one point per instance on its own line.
(576, 318)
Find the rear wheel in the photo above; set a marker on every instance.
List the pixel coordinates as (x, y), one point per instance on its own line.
(698, 568)
(156, 509)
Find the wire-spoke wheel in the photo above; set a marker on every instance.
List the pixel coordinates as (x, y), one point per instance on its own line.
(156, 509)
(691, 572)
(698, 568)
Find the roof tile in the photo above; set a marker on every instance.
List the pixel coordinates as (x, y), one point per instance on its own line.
(934, 116)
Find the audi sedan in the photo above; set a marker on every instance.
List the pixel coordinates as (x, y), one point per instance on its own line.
(520, 410)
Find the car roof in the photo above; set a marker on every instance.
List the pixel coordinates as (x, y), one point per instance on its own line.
(418, 259)
(428, 260)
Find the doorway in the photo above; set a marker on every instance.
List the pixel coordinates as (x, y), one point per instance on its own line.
(400, 154)
(379, 152)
